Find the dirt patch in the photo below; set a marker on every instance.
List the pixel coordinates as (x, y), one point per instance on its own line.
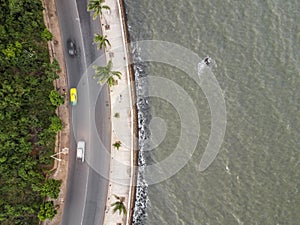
(60, 168)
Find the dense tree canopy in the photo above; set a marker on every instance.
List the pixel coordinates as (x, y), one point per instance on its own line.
(27, 117)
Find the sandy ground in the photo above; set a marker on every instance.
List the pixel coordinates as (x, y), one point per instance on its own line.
(60, 169)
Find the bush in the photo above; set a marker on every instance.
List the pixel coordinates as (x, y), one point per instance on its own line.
(56, 124)
(56, 99)
(47, 211)
(47, 35)
(51, 188)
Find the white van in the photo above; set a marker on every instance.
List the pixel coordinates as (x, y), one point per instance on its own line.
(80, 150)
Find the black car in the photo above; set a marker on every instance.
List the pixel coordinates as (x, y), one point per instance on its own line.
(71, 48)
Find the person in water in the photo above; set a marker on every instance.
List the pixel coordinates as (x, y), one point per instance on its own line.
(207, 61)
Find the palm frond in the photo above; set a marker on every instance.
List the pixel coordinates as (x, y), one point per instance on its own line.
(96, 6)
(124, 210)
(106, 7)
(107, 41)
(109, 64)
(95, 15)
(105, 74)
(117, 74)
(116, 196)
(110, 81)
(119, 206)
(101, 40)
(104, 79)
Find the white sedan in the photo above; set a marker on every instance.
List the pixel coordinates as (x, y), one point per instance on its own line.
(80, 150)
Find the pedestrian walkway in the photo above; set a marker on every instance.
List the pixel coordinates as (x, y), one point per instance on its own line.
(121, 165)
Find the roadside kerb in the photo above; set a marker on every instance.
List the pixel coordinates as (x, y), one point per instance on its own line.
(62, 139)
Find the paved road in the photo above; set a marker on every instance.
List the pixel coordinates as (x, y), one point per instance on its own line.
(87, 186)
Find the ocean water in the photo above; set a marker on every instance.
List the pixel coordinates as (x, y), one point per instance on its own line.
(255, 178)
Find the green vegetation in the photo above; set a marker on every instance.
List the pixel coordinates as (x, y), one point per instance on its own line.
(56, 124)
(47, 211)
(119, 205)
(97, 6)
(46, 35)
(117, 144)
(55, 98)
(28, 123)
(117, 115)
(49, 188)
(105, 74)
(102, 41)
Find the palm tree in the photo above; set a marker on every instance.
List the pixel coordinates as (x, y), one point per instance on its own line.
(117, 144)
(101, 40)
(97, 7)
(119, 205)
(106, 74)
